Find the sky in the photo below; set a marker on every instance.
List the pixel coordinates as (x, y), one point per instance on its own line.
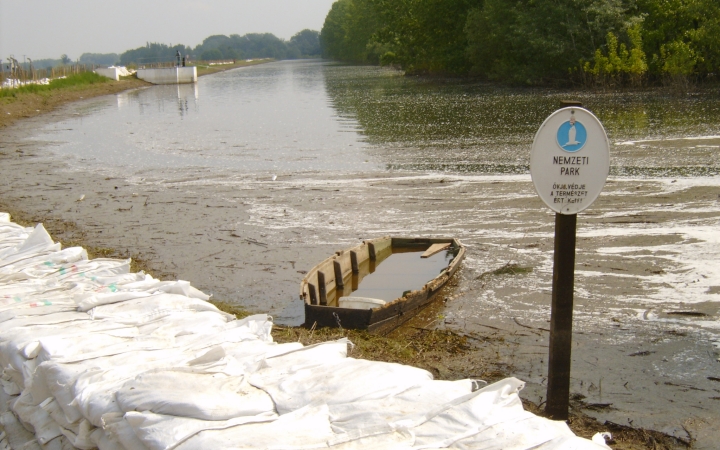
(49, 28)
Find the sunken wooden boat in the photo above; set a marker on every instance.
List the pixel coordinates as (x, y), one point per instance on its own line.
(379, 284)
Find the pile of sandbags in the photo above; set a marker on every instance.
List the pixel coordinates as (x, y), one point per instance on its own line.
(94, 356)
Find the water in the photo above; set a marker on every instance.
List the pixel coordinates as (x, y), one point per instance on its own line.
(397, 273)
(270, 119)
(312, 116)
(363, 152)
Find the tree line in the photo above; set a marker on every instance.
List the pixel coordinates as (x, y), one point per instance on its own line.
(606, 42)
(304, 44)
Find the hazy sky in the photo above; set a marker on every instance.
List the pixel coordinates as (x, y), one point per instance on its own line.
(48, 28)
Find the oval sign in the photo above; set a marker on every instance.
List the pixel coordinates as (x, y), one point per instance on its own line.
(570, 160)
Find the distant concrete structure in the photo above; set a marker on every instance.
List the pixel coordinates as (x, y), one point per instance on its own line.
(110, 72)
(113, 72)
(170, 75)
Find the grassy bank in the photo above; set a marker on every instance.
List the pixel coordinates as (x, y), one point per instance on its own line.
(33, 100)
(75, 81)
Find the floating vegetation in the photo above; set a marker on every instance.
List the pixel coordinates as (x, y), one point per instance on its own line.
(507, 269)
(665, 172)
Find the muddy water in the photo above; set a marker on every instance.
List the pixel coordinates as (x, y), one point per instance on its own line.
(398, 273)
(245, 181)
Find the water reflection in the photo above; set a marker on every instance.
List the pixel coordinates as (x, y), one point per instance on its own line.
(163, 98)
(270, 118)
(318, 116)
(470, 127)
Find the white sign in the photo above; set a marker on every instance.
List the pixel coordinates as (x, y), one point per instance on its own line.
(570, 160)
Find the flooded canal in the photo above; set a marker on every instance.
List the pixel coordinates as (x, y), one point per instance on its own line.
(243, 182)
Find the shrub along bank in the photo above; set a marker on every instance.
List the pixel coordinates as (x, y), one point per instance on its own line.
(594, 42)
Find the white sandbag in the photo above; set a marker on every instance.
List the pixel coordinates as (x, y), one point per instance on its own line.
(52, 319)
(38, 242)
(249, 356)
(87, 270)
(392, 440)
(91, 300)
(310, 356)
(115, 292)
(491, 418)
(104, 441)
(304, 428)
(41, 265)
(140, 311)
(16, 346)
(10, 290)
(82, 438)
(379, 413)
(92, 390)
(360, 302)
(43, 425)
(61, 379)
(17, 436)
(160, 432)
(341, 381)
(181, 287)
(52, 408)
(4, 217)
(252, 328)
(5, 401)
(186, 393)
(119, 430)
(12, 382)
(72, 349)
(240, 358)
(59, 443)
(186, 323)
(36, 309)
(38, 300)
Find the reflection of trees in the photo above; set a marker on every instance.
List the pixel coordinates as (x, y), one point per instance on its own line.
(442, 122)
(465, 125)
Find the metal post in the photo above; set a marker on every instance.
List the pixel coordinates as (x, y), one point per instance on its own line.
(558, 390)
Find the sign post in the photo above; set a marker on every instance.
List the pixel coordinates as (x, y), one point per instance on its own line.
(569, 163)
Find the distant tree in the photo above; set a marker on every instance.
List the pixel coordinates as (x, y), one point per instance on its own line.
(254, 45)
(64, 59)
(153, 53)
(307, 43)
(101, 59)
(211, 55)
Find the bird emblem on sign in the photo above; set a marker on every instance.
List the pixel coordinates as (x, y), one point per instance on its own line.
(571, 135)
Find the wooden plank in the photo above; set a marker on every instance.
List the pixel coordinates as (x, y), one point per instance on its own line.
(381, 245)
(435, 248)
(354, 262)
(322, 287)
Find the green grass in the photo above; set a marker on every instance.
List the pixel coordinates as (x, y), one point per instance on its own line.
(81, 79)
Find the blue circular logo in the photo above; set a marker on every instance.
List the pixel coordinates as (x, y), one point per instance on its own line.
(571, 135)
